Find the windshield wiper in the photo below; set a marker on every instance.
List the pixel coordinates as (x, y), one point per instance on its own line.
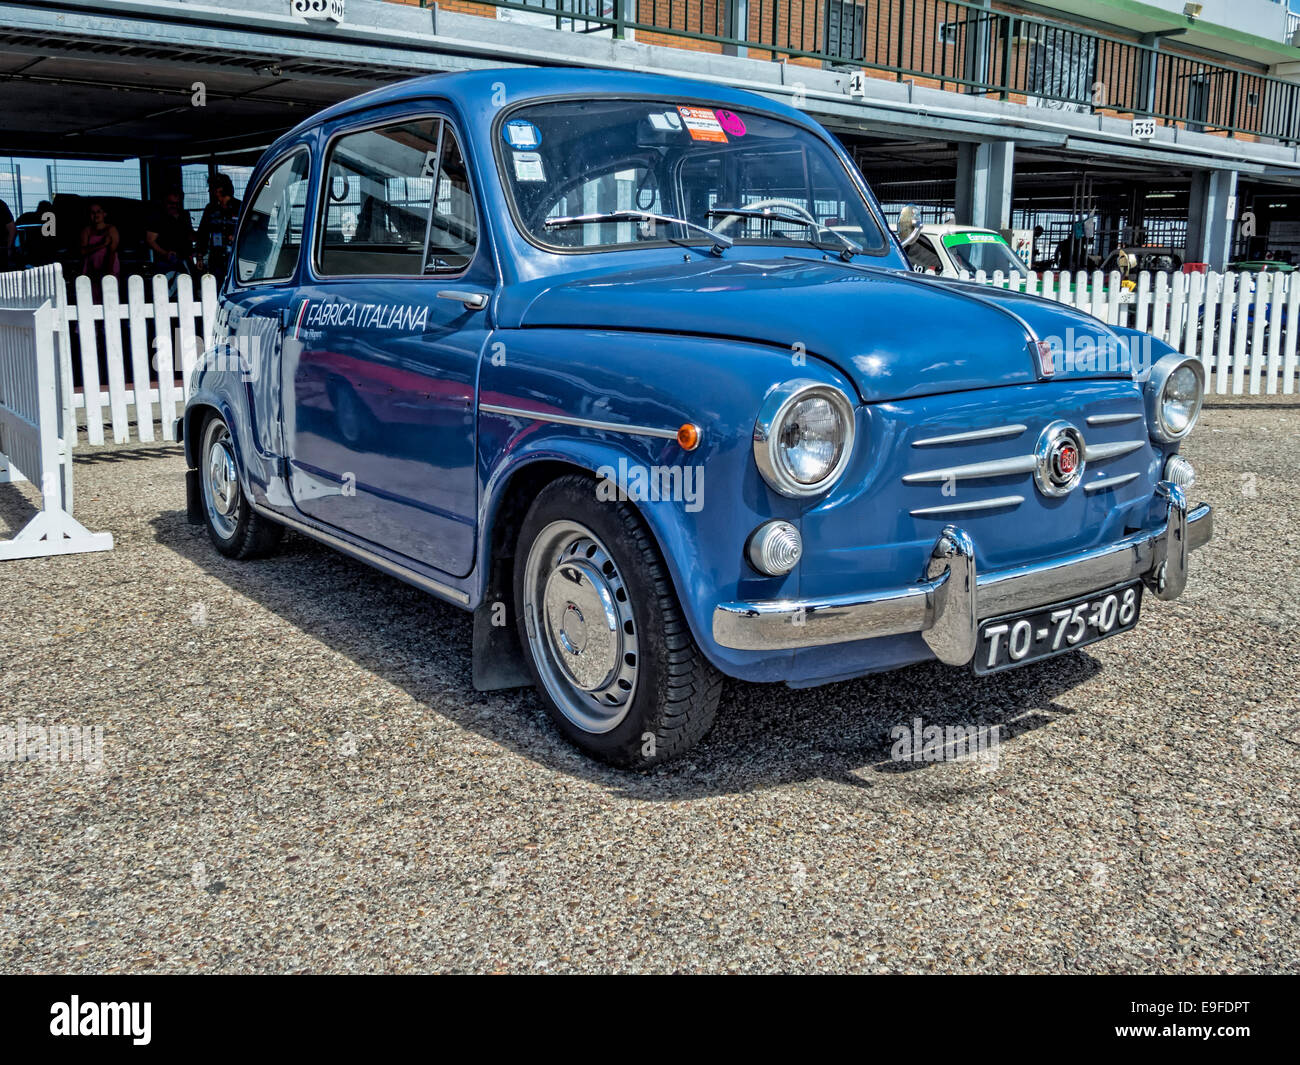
(847, 252)
(717, 240)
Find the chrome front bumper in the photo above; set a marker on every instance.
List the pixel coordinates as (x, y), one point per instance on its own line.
(947, 604)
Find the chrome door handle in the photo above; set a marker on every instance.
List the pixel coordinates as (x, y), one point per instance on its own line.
(474, 301)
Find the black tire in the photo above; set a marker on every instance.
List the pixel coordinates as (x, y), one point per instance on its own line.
(674, 689)
(234, 528)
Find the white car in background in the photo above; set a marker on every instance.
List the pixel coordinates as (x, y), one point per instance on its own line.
(949, 250)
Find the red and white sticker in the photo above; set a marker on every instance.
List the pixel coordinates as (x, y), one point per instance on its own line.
(702, 124)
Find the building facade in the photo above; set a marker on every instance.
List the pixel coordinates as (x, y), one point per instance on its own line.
(1152, 123)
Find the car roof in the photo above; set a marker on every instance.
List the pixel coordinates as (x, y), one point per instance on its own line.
(477, 90)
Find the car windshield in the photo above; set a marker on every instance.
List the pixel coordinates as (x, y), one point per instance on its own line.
(983, 251)
(567, 161)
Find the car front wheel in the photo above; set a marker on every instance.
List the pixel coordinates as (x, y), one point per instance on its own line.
(609, 649)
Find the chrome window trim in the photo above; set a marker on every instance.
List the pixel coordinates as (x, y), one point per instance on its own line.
(439, 112)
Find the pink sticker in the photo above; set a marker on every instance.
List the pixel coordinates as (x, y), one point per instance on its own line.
(731, 122)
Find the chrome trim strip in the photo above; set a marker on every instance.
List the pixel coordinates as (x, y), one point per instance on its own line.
(994, 468)
(395, 569)
(585, 423)
(1112, 419)
(1101, 452)
(1104, 483)
(996, 433)
(951, 599)
(966, 508)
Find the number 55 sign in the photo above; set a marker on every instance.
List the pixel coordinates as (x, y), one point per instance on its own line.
(330, 9)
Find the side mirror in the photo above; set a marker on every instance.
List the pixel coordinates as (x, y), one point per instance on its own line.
(908, 227)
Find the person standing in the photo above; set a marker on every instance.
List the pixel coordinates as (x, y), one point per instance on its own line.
(170, 236)
(217, 228)
(99, 243)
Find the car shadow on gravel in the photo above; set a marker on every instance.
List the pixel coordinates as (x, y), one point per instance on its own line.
(765, 735)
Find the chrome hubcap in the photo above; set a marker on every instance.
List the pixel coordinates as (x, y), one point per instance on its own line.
(580, 627)
(221, 479)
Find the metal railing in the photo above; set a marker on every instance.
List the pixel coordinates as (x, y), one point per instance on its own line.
(962, 45)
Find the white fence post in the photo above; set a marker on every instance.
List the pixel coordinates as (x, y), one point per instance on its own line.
(35, 434)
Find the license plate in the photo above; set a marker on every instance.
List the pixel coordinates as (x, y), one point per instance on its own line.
(1052, 630)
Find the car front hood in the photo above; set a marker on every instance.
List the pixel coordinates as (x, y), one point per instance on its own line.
(896, 335)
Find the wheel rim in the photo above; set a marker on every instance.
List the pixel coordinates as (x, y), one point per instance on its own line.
(221, 495)
(578, 616)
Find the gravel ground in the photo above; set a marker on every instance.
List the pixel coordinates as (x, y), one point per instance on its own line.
(297, 775)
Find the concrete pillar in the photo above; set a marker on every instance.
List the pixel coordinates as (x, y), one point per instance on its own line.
(984, 176)
(1211, 215)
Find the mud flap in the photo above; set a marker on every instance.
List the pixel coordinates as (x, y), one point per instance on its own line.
(498, 657)
(193, 498)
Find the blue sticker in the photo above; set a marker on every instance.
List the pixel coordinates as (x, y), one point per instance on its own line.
(522, 135)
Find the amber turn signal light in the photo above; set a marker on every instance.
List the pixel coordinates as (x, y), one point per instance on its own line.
(689, 436)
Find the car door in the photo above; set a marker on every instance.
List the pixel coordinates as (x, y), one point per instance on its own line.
(386, 343)
(250, 324)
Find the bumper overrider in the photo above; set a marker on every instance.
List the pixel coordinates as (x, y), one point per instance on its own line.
(950, 600)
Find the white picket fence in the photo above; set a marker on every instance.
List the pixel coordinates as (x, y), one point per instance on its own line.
(1241, 326)
(158, 336)
(37, 430)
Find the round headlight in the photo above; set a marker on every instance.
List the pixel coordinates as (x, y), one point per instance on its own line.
(1174, 393)
(803, 437)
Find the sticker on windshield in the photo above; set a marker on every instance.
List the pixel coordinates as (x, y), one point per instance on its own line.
(529, 167)
(666, 120)
(703, 124)
(521, 134)
(957, 239)
(731, 123)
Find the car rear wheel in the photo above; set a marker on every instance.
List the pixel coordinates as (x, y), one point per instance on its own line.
(235, 529)
(609, 649)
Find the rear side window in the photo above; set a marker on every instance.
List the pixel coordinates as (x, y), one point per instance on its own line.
(397, 202)
(271, 236)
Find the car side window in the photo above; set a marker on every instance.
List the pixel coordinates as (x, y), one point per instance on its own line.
(397, 202)
(453, 224)
(271, 236)
(922, 256)
(378, 183)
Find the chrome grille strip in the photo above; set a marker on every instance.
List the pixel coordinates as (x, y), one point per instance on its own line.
(996, 433)
(1100, 452)
(1105, 483)
(966, 508)
(994, 468)
(1112, 419)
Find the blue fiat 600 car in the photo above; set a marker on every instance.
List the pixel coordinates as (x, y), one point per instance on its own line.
(634, 369)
